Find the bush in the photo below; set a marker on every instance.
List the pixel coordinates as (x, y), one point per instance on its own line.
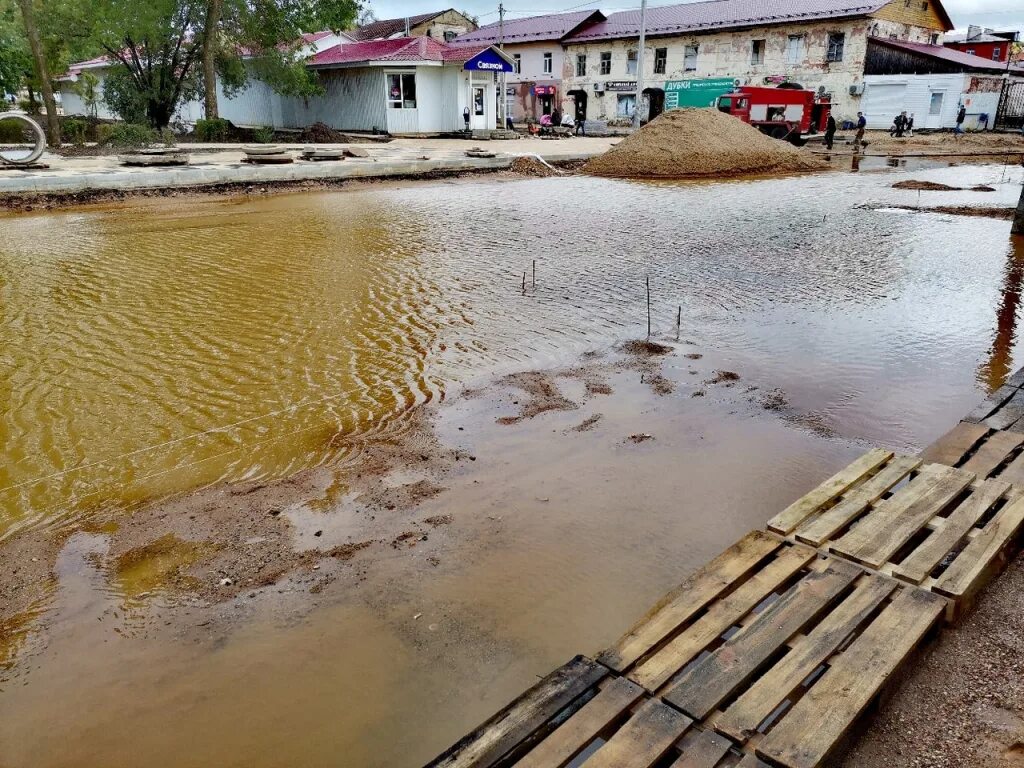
(126, 135)
(74, 130)
(13, 132)
(167, 137)
(263, 135)
(29, 106)
(122, 97)
(216, 129)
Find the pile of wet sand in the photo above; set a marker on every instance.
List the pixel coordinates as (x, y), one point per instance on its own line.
(530, 166)
(934, 186)
(686, 143)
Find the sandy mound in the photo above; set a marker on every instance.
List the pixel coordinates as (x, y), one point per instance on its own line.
(699, 142)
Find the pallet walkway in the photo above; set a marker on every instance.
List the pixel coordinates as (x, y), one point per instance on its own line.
(769, 654)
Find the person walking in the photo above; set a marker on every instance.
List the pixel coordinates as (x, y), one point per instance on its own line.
(862, 124)
(961, 115)
(910, 125)
(830, 131)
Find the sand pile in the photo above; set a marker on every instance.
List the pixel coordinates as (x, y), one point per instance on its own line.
(699, 142)
(530, 166)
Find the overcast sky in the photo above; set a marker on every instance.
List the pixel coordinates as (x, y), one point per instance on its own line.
(1001, 14)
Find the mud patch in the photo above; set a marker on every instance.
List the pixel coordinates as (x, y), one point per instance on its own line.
(543, 396)
(159, 565)
(587, 424)
(645, 348)
(724, 377)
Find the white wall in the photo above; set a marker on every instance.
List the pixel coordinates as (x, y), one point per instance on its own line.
(885, 96)
(532, 61)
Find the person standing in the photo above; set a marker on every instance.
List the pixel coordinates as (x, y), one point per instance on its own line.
(961, 115)
(830, 131)
(862, 124)
(465, 116)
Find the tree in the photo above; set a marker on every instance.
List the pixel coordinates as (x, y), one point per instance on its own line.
(88, 88)
(268, 36)
(41, 68)
(155, 47)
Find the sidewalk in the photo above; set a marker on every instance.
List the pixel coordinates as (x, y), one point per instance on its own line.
(212, 164)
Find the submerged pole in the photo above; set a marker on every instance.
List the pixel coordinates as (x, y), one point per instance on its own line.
(648, 307)
(534, 274)
(1018, 219)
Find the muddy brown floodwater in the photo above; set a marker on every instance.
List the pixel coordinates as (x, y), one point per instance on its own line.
(311, 480)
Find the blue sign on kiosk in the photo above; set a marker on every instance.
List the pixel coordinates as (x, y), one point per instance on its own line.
(488, 61)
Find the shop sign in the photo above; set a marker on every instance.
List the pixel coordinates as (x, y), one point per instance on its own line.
(488, 61)
(697, 93)
(544, 90)
(510, 91)
(620, 85)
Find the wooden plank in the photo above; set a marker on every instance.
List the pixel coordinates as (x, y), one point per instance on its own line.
(991, 404)
(710, 681)
(787, 521)
(487, 744)
(980, 558)
(1009, 414)
(688, 598)
(1017, 379)
(816, 723)
(682, 649)
(1014, 472)
(751, 761)
(993, 452)
(922, 561)
(579, 730)
(832, 520)
(703, 751)
(644, 739)
(894, 522)
(955, 444)
(741, 719)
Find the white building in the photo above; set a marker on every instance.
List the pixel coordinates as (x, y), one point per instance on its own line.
(534, 88)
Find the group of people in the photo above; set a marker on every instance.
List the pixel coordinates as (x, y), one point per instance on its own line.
(902, 126)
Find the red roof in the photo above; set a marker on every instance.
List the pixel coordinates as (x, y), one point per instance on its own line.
(384, 28)
(534, 28)
(966, 60)
(397, 49)
(723, 14)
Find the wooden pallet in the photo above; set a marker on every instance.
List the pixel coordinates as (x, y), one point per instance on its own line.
(763, 640)
(581, 712)
(942, 528)
(982, 450)
(1004, 408)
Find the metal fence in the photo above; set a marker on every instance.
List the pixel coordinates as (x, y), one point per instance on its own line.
(1010, 114)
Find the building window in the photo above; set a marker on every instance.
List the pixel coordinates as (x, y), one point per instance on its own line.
(449, 35)
(581, 65)
(606, 62)
(997, 54)
(795, 49)
(517, 63)
(970, 51)
(631, 63)
(935, 39)
(660, 59)
(836, 43)
(402, 91)
(757, 51)
(548, 68)
(626, 105)
(690, 58)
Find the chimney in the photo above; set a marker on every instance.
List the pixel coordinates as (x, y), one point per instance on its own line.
(407, 30)
(973, 32)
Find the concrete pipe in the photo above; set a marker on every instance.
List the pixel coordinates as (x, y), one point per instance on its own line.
(40, 141)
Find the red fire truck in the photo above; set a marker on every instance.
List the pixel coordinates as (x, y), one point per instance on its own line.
(788, 112)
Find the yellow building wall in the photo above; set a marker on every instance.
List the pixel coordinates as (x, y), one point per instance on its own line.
(916, 13)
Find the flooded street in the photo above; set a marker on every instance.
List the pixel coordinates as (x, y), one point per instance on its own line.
(153, 348)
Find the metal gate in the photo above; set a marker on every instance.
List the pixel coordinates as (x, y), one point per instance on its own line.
(1010, 114)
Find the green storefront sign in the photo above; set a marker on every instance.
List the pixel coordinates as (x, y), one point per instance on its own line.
(696, 93)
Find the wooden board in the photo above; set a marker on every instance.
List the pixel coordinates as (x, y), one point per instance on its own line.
(644, 739)
(689, 598)
(654, 670)
(1008, 414)
(992, 403)
(712, 679)
(953, 446)
(702, 749)
(786, 521)
(808, 733)
(879, 536)
(941, 527)
(492, 742)
(993, 451)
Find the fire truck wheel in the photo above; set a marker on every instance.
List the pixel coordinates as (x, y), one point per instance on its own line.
(779, 132)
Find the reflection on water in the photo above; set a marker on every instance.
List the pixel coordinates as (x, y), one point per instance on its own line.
(160, 346)
(997, 368)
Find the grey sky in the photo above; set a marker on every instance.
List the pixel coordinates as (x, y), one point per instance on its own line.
(1002, 14)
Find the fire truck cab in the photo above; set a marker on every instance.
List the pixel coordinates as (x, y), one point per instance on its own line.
(788, 112)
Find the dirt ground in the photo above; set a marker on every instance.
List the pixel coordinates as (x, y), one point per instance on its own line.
(944, 143)
(962, 703)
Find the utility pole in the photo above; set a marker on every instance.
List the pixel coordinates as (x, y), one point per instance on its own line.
(640, 64)
(502, 99)
(1018, 219)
